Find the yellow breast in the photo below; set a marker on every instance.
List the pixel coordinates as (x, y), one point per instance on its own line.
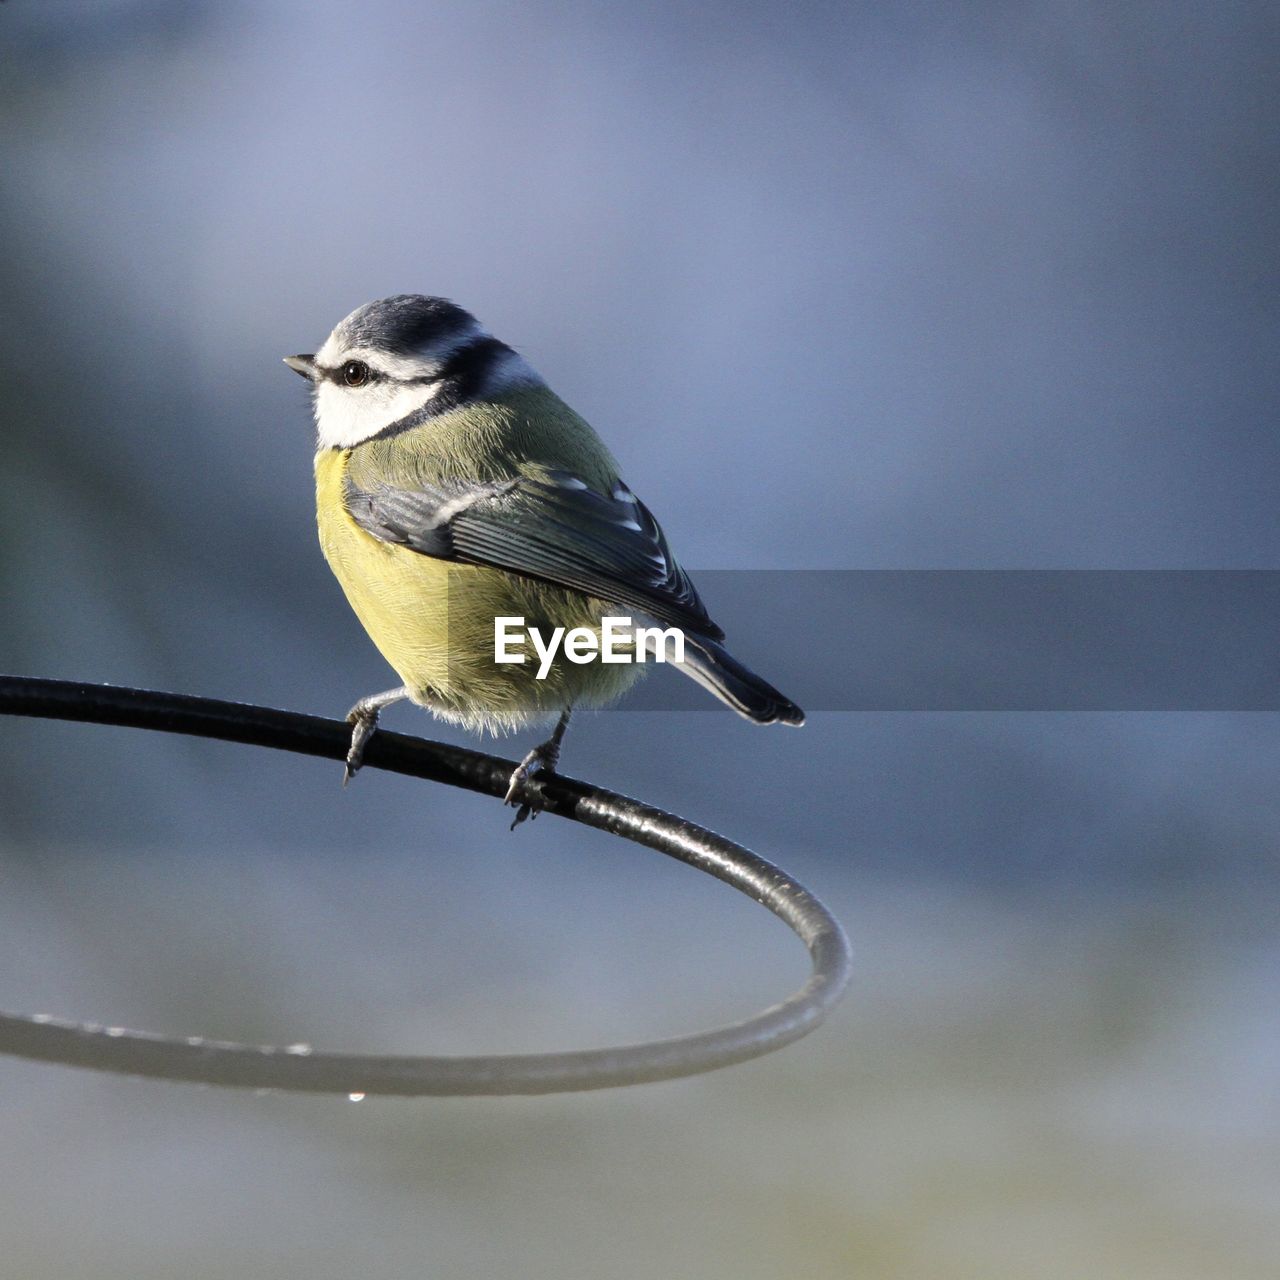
(433, 621)
(399, 596)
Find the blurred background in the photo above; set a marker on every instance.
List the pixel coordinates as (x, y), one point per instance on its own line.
(844, 286)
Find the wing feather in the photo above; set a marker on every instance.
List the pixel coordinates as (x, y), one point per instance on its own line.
(546, 523)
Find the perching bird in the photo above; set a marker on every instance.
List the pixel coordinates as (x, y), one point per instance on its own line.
(454, 487)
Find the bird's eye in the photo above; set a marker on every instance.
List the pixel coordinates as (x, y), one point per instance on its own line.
(355, 373)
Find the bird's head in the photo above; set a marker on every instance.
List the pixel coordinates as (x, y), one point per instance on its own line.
(398, 361)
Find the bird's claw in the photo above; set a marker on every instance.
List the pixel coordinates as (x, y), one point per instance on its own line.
(522, 790)
(363, 725)
(544, 759)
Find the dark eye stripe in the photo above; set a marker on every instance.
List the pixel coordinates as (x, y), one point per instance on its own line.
(337, 373)
(461, 376)
(466, 371)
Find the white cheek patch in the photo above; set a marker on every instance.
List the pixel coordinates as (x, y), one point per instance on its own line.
(347, 416)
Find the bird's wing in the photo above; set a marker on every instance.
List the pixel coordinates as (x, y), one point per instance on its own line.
(544, 523)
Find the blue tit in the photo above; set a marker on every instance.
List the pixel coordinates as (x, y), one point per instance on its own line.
(455, 488)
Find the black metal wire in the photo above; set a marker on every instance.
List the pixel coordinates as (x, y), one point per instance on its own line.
(291, 1069)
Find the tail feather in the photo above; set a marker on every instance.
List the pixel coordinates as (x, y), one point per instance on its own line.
(713, 667)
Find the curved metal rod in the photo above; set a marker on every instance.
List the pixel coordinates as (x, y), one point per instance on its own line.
(296, 1070)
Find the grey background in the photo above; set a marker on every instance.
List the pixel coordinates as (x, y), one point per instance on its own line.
(844, 287)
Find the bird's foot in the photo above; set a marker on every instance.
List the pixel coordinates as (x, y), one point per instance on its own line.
(364, 724)
(521, 791)
(363, 719)
(543, 760)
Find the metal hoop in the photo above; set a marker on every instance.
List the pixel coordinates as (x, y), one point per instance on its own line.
(291, 1069)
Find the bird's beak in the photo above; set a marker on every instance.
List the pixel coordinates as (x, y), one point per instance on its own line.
(305, 365)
